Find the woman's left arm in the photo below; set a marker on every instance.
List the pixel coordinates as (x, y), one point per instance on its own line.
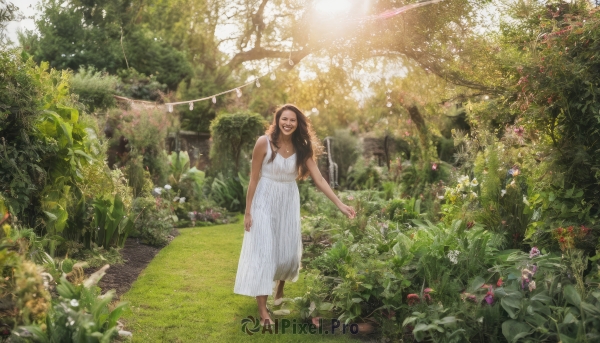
(322, 185)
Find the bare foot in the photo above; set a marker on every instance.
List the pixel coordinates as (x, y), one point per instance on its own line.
(265, 320)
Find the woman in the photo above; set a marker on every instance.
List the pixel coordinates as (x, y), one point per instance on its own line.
(272, 245)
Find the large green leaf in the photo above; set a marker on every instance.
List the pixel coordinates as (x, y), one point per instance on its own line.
(571, 295)
(69, 114)
(513, 330)
(512, 304)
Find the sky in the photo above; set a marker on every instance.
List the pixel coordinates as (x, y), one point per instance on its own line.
(27, 8)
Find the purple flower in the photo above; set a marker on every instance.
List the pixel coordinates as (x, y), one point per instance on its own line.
(534, 252)
(519, 131)
(489, 298)
(534, 269)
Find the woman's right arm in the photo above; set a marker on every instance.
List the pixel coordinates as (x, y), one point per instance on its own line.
(258, 156)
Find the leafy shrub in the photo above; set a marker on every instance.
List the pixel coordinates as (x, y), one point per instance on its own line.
(557, 95)
(111, 221)
(80, 314)
(25, 299)
(154, 220)
(364, 175)
(189, 182)
(230, 192)
(233, 137)
(145, 131)
(43, 131)
(135, 85)
(346, 151)
(94, 88)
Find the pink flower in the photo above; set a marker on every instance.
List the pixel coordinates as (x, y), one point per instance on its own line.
(534, 252)
(413, 299)
(500, 282)
(434, 166)
(519, 130)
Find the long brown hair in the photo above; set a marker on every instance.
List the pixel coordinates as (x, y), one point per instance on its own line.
(304, 139)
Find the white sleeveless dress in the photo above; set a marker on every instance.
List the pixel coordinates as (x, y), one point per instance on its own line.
(272, 249)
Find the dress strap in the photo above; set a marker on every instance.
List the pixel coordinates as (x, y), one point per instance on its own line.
(268, 144)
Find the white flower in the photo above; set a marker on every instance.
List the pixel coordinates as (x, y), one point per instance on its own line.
(525, 200)
(441, 197)
(74, 302)
(453, 256)
(181, 200)
(464, 196)
(157, 190)
(503, 192)
(464, 178)
(474, 183)
(473, 195)
(175, 199)
(167, 187)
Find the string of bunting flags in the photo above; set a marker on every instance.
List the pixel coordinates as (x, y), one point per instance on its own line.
(384, 15)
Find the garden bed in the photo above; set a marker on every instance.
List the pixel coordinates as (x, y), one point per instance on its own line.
(136, 256)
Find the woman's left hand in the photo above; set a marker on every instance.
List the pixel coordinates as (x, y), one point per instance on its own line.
(348, 211)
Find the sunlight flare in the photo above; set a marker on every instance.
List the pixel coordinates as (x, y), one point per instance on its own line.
(333, 6)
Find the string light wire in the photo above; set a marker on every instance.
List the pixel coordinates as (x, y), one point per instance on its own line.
(384, 15)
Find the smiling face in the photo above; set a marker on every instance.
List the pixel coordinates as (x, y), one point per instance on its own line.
(288, 122)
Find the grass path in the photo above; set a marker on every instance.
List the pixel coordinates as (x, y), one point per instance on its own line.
(186, 293)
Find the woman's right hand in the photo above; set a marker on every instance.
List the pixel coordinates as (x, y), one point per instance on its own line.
(247, 221)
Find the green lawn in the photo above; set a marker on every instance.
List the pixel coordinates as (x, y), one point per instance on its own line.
(186, 293)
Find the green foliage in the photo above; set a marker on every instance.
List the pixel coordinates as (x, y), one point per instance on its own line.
(104, 37)
(95, 89)
(80, 314)
(230, 193)
(154, 219)
(233, 137)
(345, 152)
(22, 291)
(430, 325)
(560, 82)
(145, 131)
(111, 221)
(22, 151)
(136, 85)
(364, 175)
(43, 132)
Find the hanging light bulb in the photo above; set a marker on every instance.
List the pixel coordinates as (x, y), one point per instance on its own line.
(315, 110)
(191, 106)
(170, 108)
(257, 83)
(389, 104)
(326, 102)
(389, 97)
(214, 99)
(239, 92)
(273, 77)
(291, 62)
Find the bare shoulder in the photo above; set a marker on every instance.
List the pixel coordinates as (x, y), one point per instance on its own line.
(311, 164)
(261, 145)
